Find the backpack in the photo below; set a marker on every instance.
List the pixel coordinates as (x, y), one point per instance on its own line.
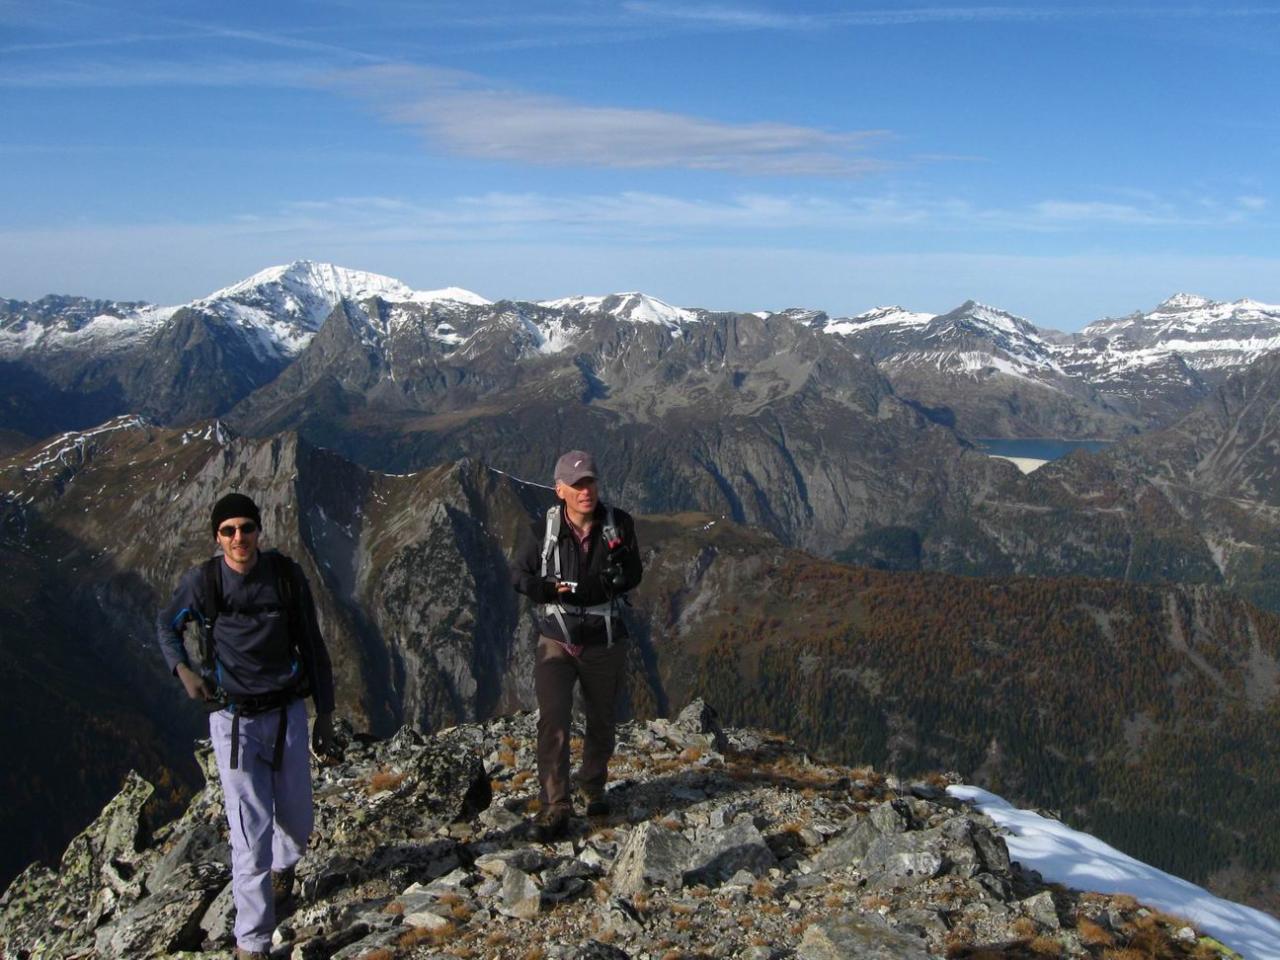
(611, 537)
(290, 594)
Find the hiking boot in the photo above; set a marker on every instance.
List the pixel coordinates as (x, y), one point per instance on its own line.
(596, 801)
(282, 885)
(243, 954)
(552, 823)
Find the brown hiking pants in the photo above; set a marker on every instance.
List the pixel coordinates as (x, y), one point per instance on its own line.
(601, 670)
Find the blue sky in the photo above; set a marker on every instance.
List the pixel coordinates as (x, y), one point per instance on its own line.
(1062, 161)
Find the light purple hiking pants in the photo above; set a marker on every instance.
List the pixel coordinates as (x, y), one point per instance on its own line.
(269, 812)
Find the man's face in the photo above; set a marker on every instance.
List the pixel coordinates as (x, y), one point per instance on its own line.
(580, 496)
(238, 538)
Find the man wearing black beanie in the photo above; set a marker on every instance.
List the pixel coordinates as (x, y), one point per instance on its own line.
(261, 655)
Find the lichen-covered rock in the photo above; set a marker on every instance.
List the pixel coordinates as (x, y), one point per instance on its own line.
(840, 938)
(652, 855)
(167, 921)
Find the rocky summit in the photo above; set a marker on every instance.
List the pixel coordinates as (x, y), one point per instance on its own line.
(720, 843)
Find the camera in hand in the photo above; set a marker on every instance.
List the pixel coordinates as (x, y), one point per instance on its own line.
(614, 575)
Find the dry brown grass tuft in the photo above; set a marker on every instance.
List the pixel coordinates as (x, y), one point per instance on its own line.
(1125, 953)
(773, 909)
(380, 954)
(1122, 901)
(1025, 927)
(394, 907)
(1045, 947)
(1093, 934)
(691, 754)
(416, 936)
(761, 889)
(507, 758)
(534, 953)
(521, 777)
(509, 741)
(384, 780)
(683, 909)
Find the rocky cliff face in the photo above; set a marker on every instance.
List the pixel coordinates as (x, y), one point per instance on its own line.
(720, 843)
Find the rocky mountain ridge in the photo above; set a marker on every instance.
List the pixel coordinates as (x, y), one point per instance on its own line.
(721, 843)
(977, 368)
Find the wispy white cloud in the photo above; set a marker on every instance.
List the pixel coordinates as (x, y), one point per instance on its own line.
(636, 216)
(465, 115)
(197, 72)
(758, 18)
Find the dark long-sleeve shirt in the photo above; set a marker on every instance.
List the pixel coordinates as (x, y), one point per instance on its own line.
(252, 646)
(589, 570)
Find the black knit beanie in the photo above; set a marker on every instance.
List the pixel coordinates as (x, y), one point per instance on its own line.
(234, 505)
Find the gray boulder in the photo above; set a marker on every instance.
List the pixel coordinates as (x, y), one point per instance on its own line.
(652, 854)
(726, 852)
(856, 935)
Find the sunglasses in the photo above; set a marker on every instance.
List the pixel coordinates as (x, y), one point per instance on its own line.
(229, 530)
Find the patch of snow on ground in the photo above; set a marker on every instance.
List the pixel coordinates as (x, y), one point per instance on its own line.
(878, 317)
(637, 307)
(557, 336)
(450, 295)
(57, 449)
(1083, 862)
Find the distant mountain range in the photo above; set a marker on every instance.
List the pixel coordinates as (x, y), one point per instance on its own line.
(977, 368)
(815, 428)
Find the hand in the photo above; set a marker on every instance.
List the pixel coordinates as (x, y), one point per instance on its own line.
(562, 588)
(324, 741)
(197, 686)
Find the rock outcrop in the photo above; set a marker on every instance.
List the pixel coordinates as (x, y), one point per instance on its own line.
(721, 844)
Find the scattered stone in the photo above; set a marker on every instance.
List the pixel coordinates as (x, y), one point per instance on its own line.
(857, 936)
(725, 852)
(521, 897)
(595, 950)
(1042, 910)
(652, 855)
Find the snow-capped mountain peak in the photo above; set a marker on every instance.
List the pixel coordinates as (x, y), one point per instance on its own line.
(633, 306)
(891, 318)
(1184, 301)
(307, 290)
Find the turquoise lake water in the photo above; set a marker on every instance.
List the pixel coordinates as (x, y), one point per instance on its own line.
(1037, 449)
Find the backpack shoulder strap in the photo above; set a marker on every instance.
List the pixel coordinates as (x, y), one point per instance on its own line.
(211, 602)
(284, 571)
(549, 540)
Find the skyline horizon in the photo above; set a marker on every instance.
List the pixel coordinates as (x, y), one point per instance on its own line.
(482, 294)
